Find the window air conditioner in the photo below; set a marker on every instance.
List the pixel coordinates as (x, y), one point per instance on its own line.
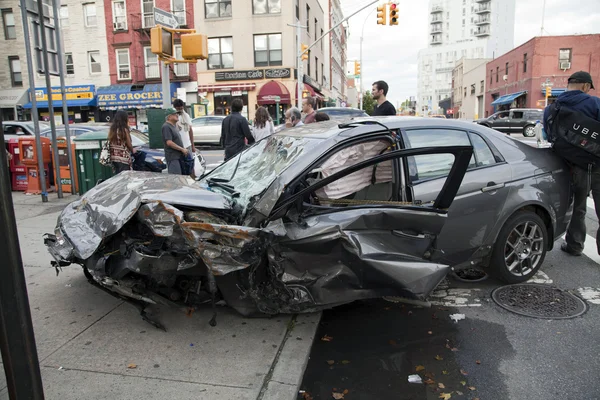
(565, 65)
(119, 26)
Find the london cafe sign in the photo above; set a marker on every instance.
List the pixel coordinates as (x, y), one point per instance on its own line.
(253, 74)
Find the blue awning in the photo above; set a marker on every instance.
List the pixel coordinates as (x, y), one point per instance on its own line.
(555, 92)
(507, 99)
(70, 103)
(130, 96)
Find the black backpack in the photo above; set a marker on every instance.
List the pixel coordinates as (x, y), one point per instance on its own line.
(575, 136)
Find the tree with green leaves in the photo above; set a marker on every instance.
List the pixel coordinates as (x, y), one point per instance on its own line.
(368, 103)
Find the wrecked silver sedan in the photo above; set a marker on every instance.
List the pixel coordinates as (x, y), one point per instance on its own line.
(306, 219)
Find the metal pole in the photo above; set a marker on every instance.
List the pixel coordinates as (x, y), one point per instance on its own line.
(63, 94)
(300, 65)
(361, 60)
(166, 87)
(543, 18)
(17, 340)
(34, 112)
(50, 105)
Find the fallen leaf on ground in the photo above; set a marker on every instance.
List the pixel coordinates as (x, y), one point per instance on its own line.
(430, 332)
(464, 383)
(393, 342)
(458, 392)
(441, 386)
(419, 368)
(439, 358)
(307, 396)
(462, 371)
(429, 381)
(472, 388)
(346, 391)
(132, 366)
(454, 349)
(477, 362)
(337, 396)
(444, 372)
(345, 362)
(430, 375)
(327, 338)
(330, 362)
(445, 396)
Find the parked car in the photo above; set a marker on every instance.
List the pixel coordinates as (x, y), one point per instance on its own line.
(517, 120)
(322, 215)
(74, 129)
(16, 129)
(341, 113)
(207, 130)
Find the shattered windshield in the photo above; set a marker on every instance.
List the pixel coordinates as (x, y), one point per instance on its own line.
(258, 167)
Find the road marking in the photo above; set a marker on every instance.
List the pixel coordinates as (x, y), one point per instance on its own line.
(589, 248)
(591, 295)
(590, 203)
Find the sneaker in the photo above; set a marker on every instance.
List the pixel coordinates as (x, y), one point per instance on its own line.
(565, 247)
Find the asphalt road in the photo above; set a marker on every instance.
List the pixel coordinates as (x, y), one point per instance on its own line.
(372, 347)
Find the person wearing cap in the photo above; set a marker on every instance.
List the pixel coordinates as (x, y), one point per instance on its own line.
(175, 153)
(577, 98)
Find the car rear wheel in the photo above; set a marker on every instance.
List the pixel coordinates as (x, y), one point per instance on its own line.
(520, 248)
(529, 131)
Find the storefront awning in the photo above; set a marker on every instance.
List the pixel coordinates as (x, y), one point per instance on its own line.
(77, 96)
(555, 92)
(133, 96)
(312, 92)
(11, 97)
(507, 99)
(269, 92)
(226, 87)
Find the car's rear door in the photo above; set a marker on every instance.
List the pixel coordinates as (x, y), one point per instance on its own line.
(480, 198)
(342, 246)
(213, 129)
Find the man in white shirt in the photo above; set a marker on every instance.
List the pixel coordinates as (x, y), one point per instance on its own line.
(184, 126)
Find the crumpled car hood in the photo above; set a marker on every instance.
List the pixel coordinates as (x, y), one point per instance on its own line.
(103, 210)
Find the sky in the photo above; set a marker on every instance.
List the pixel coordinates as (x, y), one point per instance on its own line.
(390, 52)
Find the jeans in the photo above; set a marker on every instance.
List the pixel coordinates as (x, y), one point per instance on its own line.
(583, 182)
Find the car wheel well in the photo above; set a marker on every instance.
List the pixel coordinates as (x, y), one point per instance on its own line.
(545, 216)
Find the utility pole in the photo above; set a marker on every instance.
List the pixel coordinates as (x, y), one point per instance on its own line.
(543, 18)
(63, 93)
(361, 60)
(166, 85)
(34, 112)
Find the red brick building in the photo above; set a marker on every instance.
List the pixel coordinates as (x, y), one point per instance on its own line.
(135, 72)
(515, 79)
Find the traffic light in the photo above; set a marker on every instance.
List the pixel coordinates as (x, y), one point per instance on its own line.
(305, 94)
(356, 68)
(194, 46)
(304, 52)
(381, 17)
(393, 14)
(548, 91)
(161, 41)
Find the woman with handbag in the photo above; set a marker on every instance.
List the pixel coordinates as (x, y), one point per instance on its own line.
(119, 141)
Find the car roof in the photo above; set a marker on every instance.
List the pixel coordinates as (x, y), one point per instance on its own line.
(350, 109)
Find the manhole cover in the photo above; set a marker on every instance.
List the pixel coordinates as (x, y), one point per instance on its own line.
(539, 301)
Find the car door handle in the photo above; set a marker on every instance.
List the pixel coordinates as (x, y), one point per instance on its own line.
(491, 187)
(409, 235)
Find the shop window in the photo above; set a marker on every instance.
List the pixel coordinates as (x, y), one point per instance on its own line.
(178, 9)
(217, 8)
(220, 53)
(119, 9)
(267, 50)
(147, 13)
(123, 65)
(8, 19)
(89, 14)
(308, 19)
(151, 63)
(16, 75)
(266, 7)
(94, 62)
(69, 65)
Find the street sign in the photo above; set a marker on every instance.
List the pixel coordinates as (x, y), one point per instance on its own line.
(274, 98)
(166, 19)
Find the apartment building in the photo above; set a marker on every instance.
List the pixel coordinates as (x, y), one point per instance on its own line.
(253, 54)
(518, 78)
(468, 88)
(472, 29)
(86, 61)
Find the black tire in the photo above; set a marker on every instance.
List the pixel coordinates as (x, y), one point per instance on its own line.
(528, 131)
(528, 250)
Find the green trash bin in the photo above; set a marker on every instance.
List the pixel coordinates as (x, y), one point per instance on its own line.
(87, 151)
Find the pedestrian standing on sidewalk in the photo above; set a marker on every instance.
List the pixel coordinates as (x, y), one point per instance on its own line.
(293, 117)
(577, 99)
(263, 125)
(235, 131)
(379, 93)
(119, 139)
(184, 124)
(308, 108)
(175, 153)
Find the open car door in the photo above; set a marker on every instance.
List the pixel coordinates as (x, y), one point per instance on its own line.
(341, 250)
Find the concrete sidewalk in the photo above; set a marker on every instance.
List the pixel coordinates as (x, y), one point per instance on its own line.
(94, 346)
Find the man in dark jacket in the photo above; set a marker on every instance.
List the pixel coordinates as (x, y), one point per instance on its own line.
(234, 129)
(577, 99)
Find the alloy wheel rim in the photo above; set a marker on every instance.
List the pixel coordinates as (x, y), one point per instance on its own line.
(524, 248)
(529, 131)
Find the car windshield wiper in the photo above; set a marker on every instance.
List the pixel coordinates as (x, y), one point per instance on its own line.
(222, 183)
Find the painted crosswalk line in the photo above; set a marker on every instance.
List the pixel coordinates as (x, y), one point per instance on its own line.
(589, 294)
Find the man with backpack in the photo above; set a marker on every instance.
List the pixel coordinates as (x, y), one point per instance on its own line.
(572, 125)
